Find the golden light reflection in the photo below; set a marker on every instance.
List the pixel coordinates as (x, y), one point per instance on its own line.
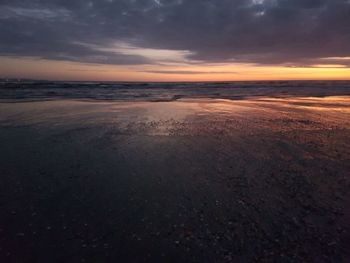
(331, 103)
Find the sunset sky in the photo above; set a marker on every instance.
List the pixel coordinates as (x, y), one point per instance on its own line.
(175, 40)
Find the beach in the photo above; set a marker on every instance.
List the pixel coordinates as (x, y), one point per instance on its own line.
(258, 177)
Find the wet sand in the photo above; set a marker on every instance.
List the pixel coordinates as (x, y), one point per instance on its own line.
(260, 179)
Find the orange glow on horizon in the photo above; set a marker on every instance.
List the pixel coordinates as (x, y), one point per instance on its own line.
(11, 67)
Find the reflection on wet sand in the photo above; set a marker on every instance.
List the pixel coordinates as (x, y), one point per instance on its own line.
(178, 110)
(261, 179)
(338, 103)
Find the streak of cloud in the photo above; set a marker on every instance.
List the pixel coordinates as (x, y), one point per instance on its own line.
(266, 32)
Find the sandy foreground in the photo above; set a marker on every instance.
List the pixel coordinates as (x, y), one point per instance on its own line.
(194, 180)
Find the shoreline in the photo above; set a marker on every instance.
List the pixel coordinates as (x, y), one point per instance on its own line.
(203, 179)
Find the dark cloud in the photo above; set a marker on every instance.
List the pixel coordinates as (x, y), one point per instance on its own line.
(287, 32)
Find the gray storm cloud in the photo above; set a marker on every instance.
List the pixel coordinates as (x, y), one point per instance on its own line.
(269, 32)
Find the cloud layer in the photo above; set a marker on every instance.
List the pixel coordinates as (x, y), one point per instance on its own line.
(122, 32)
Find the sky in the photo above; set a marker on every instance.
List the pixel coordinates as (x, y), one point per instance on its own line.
(175, 40)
